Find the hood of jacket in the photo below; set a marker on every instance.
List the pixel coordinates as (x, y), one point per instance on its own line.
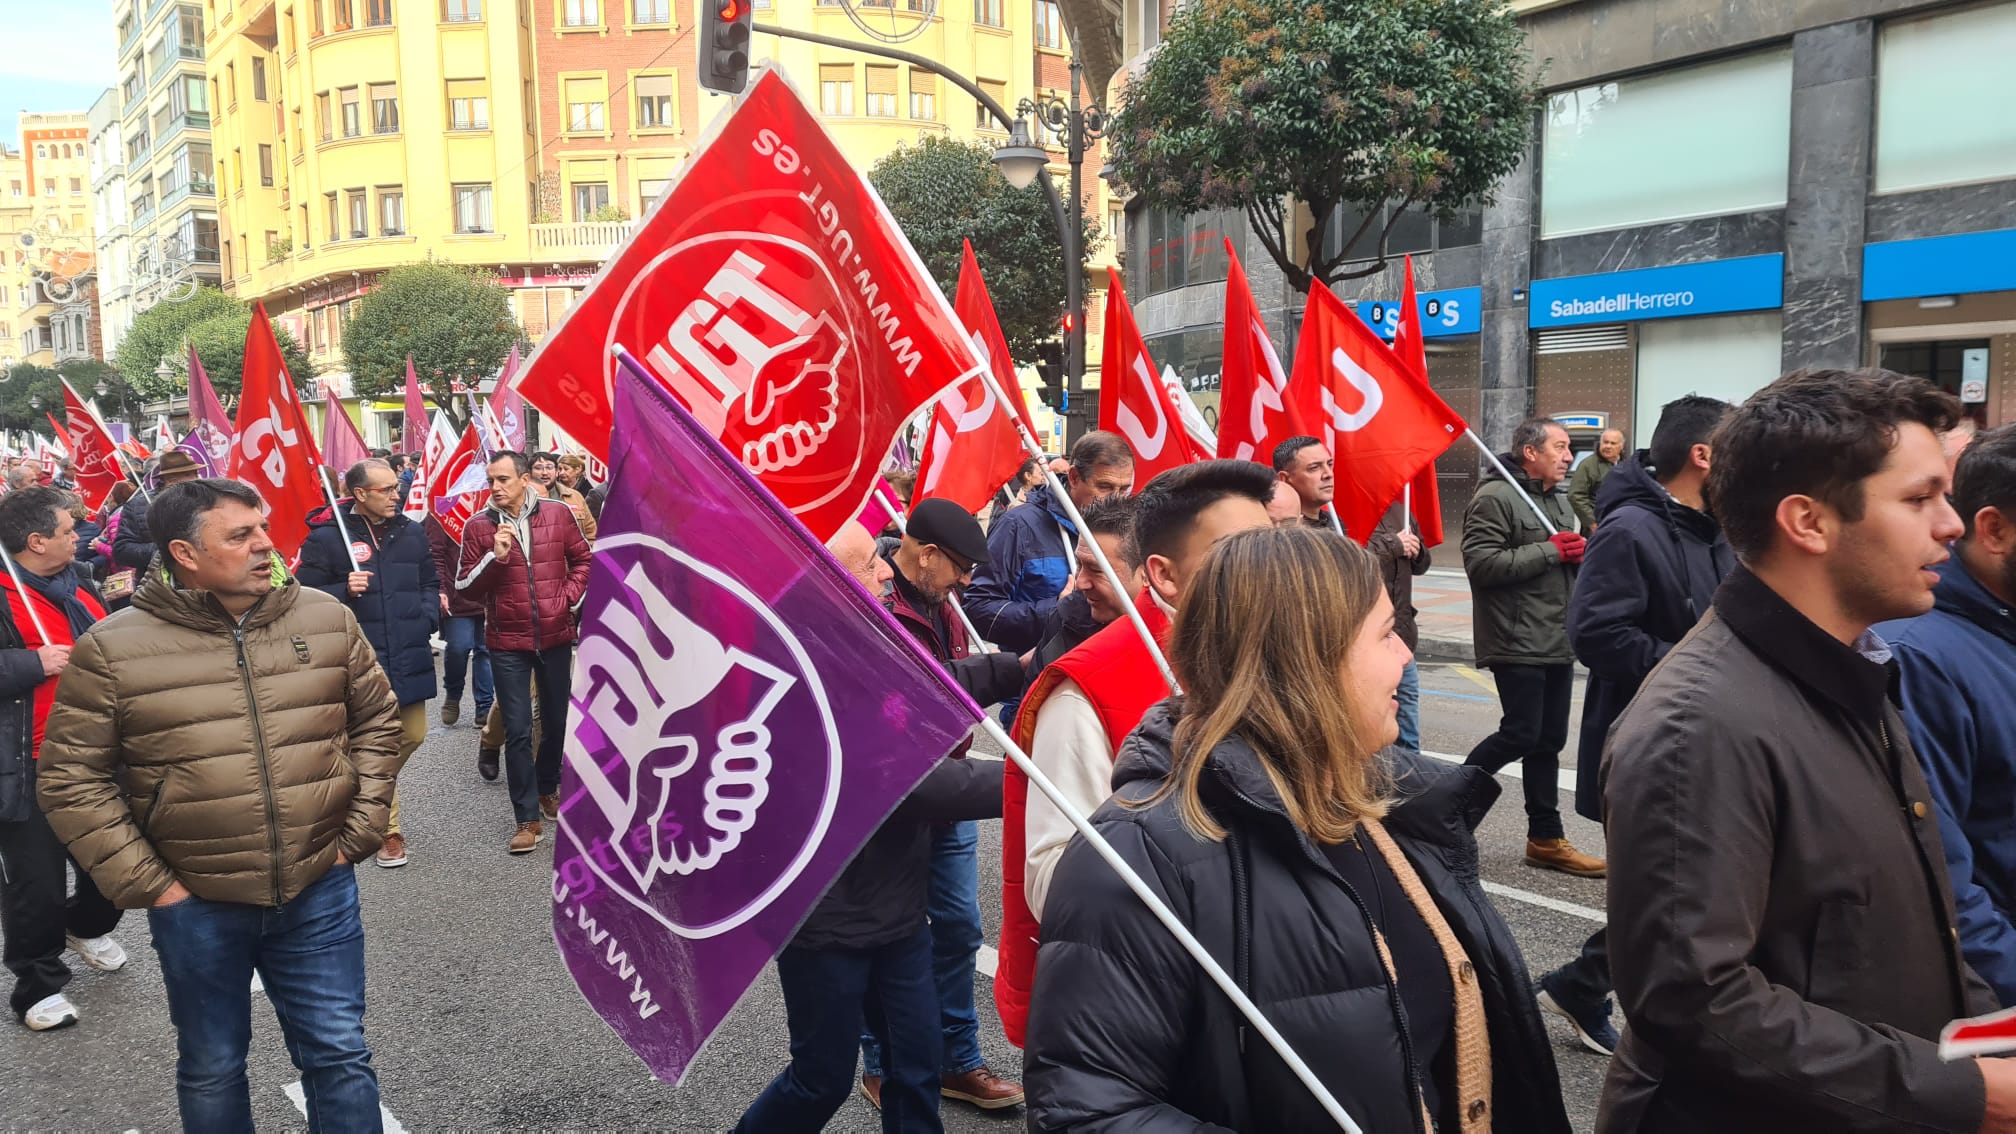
(1632, 485)
(170, 601)
(1960, 594)
(1041, 497)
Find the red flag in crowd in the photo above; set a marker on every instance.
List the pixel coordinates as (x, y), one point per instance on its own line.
(274, 451)
(506, 408)
(94, 457)
(778, 301)
(1254, 413)
(452, 467)
(342, 445)
(971, 447)
(1410, 346)
(414, 432)
(1381, 424)
(1133, 401)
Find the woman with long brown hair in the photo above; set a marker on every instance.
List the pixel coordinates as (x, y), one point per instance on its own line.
(1333, 876)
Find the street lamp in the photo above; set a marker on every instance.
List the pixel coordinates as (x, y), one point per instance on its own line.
(1020, 161)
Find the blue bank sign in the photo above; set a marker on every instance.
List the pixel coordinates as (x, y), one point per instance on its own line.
(1747, 283)
(1964, 264)
(1458, 311)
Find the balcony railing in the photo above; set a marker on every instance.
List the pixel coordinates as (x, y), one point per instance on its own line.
(583, 240)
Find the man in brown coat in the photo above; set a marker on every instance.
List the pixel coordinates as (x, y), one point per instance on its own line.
(219, 754)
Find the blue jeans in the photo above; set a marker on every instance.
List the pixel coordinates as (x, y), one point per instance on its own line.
(954, 908)
(1410, 707)
(826, 992)
(464, 637)
(530, 777)
(309, 953)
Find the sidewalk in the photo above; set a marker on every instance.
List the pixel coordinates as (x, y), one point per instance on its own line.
(1442, 598)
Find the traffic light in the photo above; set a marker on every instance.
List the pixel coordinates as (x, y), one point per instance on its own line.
(1050, 369)
(724, 45)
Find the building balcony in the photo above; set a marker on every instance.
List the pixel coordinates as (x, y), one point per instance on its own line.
(204, 189)
(581, 241)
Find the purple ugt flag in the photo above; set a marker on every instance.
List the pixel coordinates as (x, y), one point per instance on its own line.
(210, 430)
(743, 716)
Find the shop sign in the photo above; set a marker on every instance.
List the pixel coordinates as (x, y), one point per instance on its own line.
(1964, 264)
(1714, 287)
(1457, 311)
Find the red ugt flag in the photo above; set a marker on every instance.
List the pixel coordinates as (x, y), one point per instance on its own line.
(274, 451)
(93, 460)
(447, 471)
(1410, 346)
(777, 300)
(1133, 400)
(1381, 425)
(1255, 413)
(972, 447)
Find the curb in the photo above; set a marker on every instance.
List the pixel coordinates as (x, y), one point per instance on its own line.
(1434, 648)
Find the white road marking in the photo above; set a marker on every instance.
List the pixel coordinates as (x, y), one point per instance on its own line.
(986, 960)
(1572, 909)
(300, 1098)
(1565, 776)
(257, 984)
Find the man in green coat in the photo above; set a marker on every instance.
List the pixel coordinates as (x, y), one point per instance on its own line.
(1521, 576)
(1589, 477)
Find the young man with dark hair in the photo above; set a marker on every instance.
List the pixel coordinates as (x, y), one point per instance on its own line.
(1648, 576)
(1782, 932)
(546, 475)
(1032, 544)
(1075, 715)
(1092, 602)
(1305, 465)
(1958, 665)
(1521, 577)
(39, 922)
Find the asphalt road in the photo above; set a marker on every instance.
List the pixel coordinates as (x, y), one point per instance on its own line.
(475, 1025)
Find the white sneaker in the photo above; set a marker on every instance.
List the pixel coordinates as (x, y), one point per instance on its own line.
(101, 953)
(51, 1012)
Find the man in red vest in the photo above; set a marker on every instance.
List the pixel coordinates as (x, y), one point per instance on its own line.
(38, 920)
(1077, 712)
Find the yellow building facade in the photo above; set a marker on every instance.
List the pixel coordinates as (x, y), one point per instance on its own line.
(45, 235)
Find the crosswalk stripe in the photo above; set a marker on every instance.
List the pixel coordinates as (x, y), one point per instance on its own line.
(1564, 776)
(299, 1097)
(1572, 909)
(986, 960)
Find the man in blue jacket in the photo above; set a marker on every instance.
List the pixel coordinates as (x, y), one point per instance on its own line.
(394, 591)
(1958, 667)
(1032, 548)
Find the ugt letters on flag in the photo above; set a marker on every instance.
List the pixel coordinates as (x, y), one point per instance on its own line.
(743, 716)
(775, 297)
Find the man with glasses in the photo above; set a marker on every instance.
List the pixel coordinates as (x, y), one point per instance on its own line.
(387, 578)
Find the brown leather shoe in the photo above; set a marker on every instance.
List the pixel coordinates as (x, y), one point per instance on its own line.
(549, 806)
(871, 1089)
(1561, 855)
(982, 1088)
(525, 837)
(393, 853)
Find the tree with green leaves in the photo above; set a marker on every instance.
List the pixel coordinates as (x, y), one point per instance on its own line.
(944, 192)
(454, 322)
(24, 386)
(215, 324)
(1261, 105)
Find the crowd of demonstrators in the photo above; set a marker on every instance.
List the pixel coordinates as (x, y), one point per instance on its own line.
(1521, 577)
(229, 795)
(465, 656)
(546, 476)
(1589, 476)
(1093, 603)
(1305, 465)
(367, 554)
(133, 545)
(1012, 494)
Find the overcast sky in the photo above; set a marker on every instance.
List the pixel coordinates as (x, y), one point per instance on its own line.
(59, 56)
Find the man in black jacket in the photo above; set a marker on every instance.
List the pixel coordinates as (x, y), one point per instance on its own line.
(1782, 930)
(1647, 577)
(395, 592)
(134, 547)
(866, 948)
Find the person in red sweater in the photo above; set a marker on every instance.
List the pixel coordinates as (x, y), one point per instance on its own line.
(1078, 710)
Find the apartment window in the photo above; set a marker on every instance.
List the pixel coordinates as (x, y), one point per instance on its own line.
(590, 197)
(335, 218)
(14, 188)
(1049, 25)
(472, 208)
(983, 118)
(1414, 231)
(339, 15)
(266, 165)
(468, 104)
(215, 88)
(987, 13)
(586, 108)
(359, 207)
(326, 120)
(654, 102)
(391, 212)
(881, 92)
(48, 187)
(384, 108)
(650, 11)
(1942, 96)
(1691, 142)
(461, 11)
(315, 17)
(76, 187)
(259, 78)
(377, 13)
(353, 111)
(583, 13)
(189, 33)
(923, 95)
(836, 88)
(648, 193)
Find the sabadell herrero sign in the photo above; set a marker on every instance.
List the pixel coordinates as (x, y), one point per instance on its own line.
(1747, 283)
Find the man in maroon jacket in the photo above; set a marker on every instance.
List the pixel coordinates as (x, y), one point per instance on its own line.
(526, 559)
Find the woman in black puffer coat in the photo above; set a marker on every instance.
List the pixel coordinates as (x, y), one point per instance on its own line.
(1336, 882)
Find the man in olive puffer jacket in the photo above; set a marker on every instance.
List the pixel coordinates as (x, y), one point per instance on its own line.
(220, 753)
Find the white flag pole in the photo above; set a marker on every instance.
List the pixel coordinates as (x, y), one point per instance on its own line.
(342, 528)
(903, 525)
(14, 573)
(1406, 506)
(1062, 497)
(1545, 521)
(1176, 928)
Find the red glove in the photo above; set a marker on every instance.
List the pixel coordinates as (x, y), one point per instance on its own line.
(1570, 545)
